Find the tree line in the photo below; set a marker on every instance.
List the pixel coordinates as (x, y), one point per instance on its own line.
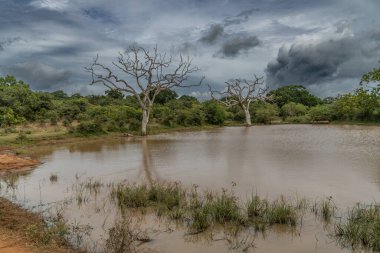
(140, 91)
(115, 112)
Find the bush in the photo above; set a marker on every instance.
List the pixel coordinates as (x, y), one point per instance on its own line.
(298, 119)
(89, 128)
(321, 113)
(263, 112)
(293, 109)
(214, 112)
(8, 117)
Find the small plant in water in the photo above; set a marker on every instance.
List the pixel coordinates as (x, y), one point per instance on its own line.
(325, 209)
(125, 236)
(53, 178)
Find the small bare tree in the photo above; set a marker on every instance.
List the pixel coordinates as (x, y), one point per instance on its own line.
(241, 92)
(144, 75)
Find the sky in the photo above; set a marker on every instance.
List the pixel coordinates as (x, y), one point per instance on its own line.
(325, 45)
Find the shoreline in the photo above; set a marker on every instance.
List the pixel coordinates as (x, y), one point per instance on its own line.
(15, 236)
(11, 143)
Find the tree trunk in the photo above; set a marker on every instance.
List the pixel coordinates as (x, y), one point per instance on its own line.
(144, 122)
(247, 117)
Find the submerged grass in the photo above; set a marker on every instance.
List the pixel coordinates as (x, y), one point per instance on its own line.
(361, 230)
(262, 213)
(199, 211)
(325, 209)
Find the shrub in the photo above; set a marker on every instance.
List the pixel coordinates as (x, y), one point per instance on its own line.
(214, 112)
(293, 109)
(263, 112)
(89, 128)
(321, 113)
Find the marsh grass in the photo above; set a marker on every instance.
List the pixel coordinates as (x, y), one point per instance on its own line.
(325, 209)
(126, 235)
(361, 230)
(53, 178)
(92, 185)
(263, 213)
(200, 210)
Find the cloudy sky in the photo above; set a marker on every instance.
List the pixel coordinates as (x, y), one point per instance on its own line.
(325, 45)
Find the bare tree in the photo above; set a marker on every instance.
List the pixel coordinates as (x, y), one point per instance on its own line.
(143, 74)
(241, 92)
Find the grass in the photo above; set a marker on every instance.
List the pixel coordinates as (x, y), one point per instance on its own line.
(223, 207)
(361, 230)
(199, 211)
(325, 209)
(263, 213)
(40, 234)
(125, 235)
(53, 178)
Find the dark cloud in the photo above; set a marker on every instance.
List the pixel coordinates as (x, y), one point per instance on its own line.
(243, 16)
(38, 75)
(8, 42)
(307, 64)
(185, 48)
(320, 62)
(214, 32)
(100, 15)
(236, 44)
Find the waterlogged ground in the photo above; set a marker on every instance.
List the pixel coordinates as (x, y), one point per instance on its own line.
(296, 161)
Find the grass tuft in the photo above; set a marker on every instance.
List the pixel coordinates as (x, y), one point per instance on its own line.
(361, 230)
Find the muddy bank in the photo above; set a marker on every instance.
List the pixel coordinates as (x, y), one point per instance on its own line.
(13, 162)
(15, 227)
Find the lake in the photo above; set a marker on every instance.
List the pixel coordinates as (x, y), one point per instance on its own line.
(296, 161)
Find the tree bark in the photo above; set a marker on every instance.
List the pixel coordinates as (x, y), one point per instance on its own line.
(247, 117)
(144, 122)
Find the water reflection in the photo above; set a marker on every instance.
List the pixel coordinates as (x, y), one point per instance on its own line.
(148, 170)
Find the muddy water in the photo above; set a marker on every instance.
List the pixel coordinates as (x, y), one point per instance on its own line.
(296, 160)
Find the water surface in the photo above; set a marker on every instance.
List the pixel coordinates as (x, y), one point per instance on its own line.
(293, 160)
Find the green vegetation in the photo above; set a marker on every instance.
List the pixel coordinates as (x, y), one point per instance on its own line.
(361, 230)
(91, 115)
(199, 211)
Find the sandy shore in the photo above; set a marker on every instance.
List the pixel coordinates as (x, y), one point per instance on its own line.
(13, 162)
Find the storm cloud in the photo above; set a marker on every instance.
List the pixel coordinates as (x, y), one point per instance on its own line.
(326, 45)
(243, 16)
(238, 44)
(318, 62)
(214, 32)
(39, 75)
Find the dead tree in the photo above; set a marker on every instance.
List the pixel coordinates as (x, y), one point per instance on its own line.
(241, 92)
(144, 75)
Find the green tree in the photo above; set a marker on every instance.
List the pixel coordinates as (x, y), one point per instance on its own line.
(264, 112)
(114, 94)
(293, 93)
(293, 109)
(164, 96)
(214, 112)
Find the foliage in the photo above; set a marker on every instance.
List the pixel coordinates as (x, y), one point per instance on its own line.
(263, 112)
(114, 112)
(321, 113)
(293, 109)
(293, 93)
(214, 112)
(361, 230)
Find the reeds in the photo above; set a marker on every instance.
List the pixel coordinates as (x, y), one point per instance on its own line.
(201, 210)
(361, 229)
